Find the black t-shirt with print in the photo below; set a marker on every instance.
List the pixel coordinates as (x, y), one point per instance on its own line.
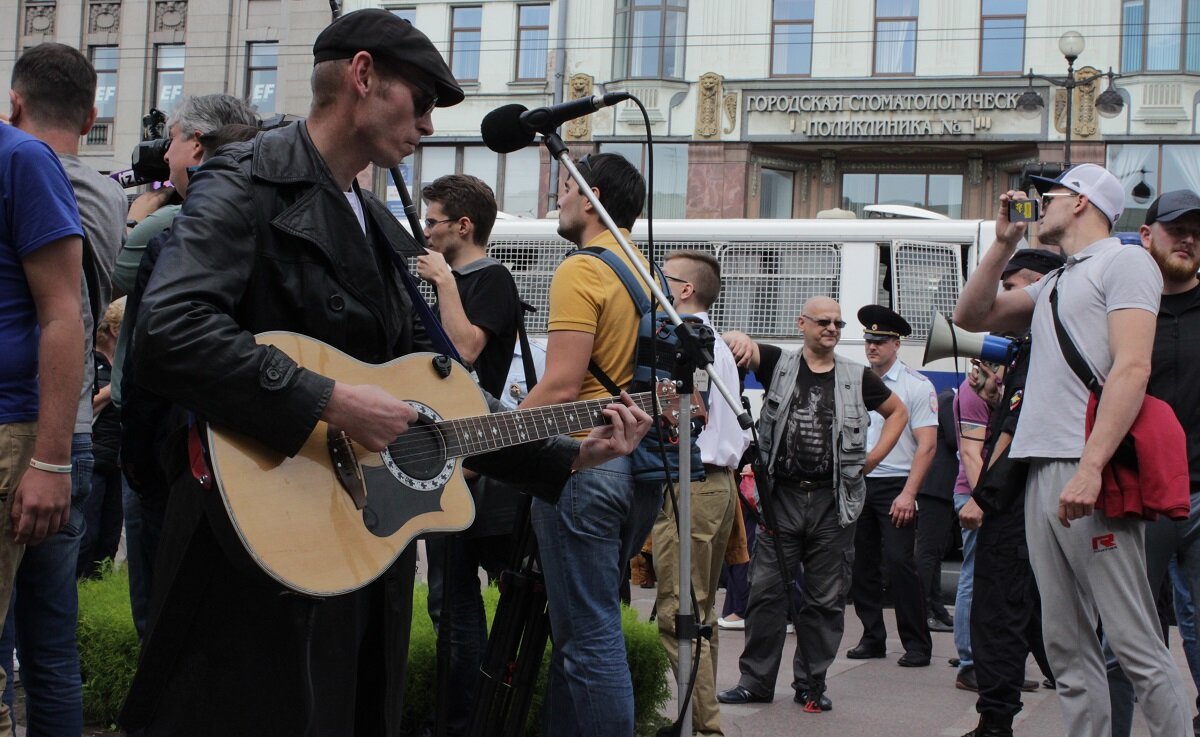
(806, 451)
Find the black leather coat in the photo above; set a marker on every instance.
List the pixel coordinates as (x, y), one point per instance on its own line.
(266, 241)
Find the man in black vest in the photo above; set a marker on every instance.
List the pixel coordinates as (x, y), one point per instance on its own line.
(812, 446)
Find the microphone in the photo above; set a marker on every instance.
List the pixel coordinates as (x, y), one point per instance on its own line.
(510, 128)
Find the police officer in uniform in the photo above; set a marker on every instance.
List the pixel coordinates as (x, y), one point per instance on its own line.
(886, 525)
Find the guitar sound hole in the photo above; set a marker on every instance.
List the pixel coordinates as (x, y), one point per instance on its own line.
(419, 453)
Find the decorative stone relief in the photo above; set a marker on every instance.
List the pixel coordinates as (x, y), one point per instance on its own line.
(580, 129)
(828, 170)
(1083, 106)
(975, 170)
(731, 111)
(708, 113)
(170, 15)
(39, 19)
(104, 17)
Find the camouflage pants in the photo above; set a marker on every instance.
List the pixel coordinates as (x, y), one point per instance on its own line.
(16, 448)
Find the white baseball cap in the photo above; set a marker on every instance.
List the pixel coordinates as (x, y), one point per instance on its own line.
(1094, 182)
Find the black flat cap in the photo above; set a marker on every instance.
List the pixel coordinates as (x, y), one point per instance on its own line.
(1172, 206)
(392, 41)
(1035, 259)
(880, 324)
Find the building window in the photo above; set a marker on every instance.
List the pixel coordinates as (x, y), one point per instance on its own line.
(937, 192)
(104, 59)
(670, 173)
(650, 38)
(514, 177)
(1160, 35)
(791, 38)
(533, 39)
(168, 76)
(895, 36)
(1002, 37)
(408, 14)
(262, 71)
(775, 193)
(1148, 170)
(466, 25)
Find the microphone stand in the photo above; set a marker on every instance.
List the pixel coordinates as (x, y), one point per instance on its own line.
(686, 628)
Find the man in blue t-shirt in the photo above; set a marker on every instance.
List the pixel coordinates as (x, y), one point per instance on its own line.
(41, 339)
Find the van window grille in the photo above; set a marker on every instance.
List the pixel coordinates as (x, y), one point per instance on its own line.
(928, 279)
(765, 285)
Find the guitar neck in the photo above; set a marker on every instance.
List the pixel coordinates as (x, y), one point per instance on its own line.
(485, 433)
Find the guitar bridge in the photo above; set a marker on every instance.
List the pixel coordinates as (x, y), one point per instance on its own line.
(346, 466)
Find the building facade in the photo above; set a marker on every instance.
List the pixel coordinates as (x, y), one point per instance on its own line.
(758, 108)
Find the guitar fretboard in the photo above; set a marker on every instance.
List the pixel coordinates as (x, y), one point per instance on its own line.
(473, 435)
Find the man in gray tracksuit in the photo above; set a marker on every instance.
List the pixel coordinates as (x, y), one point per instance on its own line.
(1086, 563)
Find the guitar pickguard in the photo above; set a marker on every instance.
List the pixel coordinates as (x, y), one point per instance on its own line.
(412, 478)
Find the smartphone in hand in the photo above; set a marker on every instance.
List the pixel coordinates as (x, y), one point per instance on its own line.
(1023, 211)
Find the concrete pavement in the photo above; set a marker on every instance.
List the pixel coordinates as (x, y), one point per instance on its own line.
(877, 697)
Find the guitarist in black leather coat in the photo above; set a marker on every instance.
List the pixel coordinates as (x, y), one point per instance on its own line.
(276, 235)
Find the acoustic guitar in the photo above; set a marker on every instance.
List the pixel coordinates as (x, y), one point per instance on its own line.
(332, 518)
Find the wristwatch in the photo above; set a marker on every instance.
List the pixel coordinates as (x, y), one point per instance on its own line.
(131, 223)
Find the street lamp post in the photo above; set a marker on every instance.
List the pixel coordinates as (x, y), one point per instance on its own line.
(1109, 104)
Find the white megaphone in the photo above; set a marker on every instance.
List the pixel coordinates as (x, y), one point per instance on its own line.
(947, 340)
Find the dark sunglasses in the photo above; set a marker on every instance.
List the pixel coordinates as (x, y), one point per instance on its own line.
(1049, 197)
(826, 322)
(424, 100)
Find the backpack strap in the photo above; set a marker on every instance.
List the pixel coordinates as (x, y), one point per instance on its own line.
(640, 301)
(1070, 352)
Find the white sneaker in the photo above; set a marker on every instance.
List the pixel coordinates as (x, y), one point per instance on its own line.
(731, 624)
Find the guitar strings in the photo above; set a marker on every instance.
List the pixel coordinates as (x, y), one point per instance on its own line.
(405, 444)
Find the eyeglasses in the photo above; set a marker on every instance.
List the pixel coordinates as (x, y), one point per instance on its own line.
(424, 100)
(676, 279)
(826, 322)
(430, 223)
(1049, 197)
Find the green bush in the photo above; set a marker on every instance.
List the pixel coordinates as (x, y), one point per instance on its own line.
(108, 652)
(108, 644)
(647, 664)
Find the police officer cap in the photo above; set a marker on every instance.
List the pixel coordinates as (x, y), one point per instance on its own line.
(1035, 259)
(880, 324)
(392, 41)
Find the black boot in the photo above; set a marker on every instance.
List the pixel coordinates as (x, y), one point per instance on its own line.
(992, 725)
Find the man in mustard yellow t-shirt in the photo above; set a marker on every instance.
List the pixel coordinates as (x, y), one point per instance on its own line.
(599, 521)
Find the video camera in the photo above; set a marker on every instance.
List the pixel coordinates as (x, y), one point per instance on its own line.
(149, 156)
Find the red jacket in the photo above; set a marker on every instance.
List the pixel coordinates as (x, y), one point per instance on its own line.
(1156, 481)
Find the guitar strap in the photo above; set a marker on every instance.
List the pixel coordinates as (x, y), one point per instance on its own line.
(433, 326)
(437, 334)
(526, 351)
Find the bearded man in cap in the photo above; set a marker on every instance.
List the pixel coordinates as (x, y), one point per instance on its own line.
(886, 525)
(1171, 234)
(1086, 563)
(275, 234)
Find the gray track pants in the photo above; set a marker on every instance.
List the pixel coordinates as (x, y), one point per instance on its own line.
(1097, 567)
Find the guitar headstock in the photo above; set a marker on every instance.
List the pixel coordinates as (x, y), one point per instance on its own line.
(667, 404)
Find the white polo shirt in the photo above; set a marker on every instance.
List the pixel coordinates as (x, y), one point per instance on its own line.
(919, 396)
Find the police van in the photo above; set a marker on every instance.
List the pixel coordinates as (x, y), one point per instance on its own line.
(770, 267)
